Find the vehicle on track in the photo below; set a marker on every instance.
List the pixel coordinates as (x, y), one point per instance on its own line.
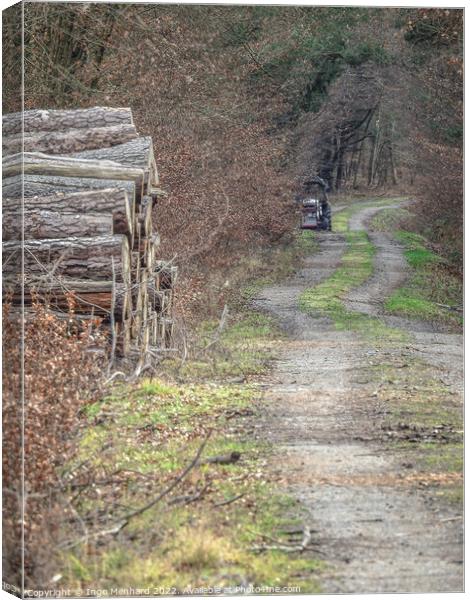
(316, 213)
(313, 215)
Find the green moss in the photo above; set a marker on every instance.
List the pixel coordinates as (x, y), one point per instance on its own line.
(156, 428)
(78, 570)
(416, 253)
(276, 266)
(306, 241)
(153, 387)
(389, 219)
(341, 219)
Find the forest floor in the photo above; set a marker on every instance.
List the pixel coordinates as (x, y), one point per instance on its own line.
(311, 443)
(364, 408)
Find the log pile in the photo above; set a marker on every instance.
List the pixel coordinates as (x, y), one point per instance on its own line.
(78, 193)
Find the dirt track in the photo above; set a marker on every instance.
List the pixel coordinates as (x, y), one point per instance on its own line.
(377, 530)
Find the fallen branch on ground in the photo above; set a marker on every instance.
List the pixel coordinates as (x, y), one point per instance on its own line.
(285, 547)
(165, 492)
(229, 501)
(187, 499)
(224, 459)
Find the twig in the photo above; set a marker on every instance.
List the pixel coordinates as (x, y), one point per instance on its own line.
(307, 538)
(165, 492)
(284, 547)
(72, 543)
(229, 501)
(113, 376)
(188, 499)
(220, 328)
(452, 308)
(112, 322)
(120, 526)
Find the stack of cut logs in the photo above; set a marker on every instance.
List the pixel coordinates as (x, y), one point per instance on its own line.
(78, 192)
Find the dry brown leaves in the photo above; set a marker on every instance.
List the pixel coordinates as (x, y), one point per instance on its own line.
(60, 376)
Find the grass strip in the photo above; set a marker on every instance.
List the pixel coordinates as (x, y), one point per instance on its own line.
(326, 299)
(429, 285)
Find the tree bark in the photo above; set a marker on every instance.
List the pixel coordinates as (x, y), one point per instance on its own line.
(392, 165)
(136, 153)
(76, 258)
(45, 185)
(147, 248)
(70, 141)
(60, 120)
(79, 296)
(136, 267)
(35, 163)
(112, 203)
(372, 159)
(40, 224)
(163, 334)
(143, 221)
(140, 308)
(122, 333)
(358, 163)
(339, 164)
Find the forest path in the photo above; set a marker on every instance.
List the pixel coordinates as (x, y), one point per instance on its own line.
(375, 526)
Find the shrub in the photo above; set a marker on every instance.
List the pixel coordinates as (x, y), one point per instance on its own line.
(47, 359)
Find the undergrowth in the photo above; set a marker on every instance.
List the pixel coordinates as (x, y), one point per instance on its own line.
(240, 351)
(433, 292)
(259, 271)
(208, 531)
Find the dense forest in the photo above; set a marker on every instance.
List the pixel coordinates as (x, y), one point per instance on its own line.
(246, 103)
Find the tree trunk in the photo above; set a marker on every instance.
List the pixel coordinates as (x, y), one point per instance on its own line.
(392, 165)
(79, 296)
(45, 185)
(112, 203)
(60, 120)
(136, 153)
(164, 332)
(147, 248)
(72, 140)
(40, 224)
(358, 164)
(340, 165)
(136, 267)
(35, 163)
(371, 169)
(122, 334)
(77, 258)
